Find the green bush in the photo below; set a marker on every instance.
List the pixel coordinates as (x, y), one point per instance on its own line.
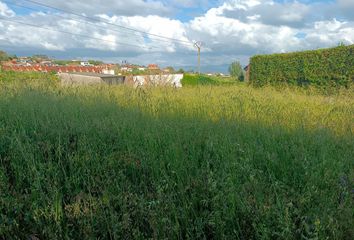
(196, 80)
(28, 77)
(193, 80)
(322, 68)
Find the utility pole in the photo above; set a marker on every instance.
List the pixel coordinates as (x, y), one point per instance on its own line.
(198, 45)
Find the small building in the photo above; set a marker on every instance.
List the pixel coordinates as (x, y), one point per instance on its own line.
(90, 79)
(173, 80)
(85, 64)
(127, 68)
(24, 60)
(153, 67)
(46, 63)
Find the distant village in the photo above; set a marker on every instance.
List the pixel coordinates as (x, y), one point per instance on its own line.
(97, 72)
(40, 63)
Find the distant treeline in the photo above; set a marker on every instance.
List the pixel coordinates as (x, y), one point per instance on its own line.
(333, 67)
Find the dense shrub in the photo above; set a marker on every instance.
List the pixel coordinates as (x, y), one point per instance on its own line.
(323, 68)
(27, 77)
(193, 80)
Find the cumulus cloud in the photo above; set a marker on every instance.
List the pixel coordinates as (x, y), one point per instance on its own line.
(292, 14)
(5, 11)
(346, 3)
(189, 3)
(92, 35)
(233, 29)
(257, 27)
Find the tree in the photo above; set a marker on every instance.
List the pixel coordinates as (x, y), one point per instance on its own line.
(95, 62)
(236, 71)
(170, 69)
(136, 71)
(181, 70)
(61, 62)
(4, 56)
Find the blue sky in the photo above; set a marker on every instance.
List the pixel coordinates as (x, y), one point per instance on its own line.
(231, 29)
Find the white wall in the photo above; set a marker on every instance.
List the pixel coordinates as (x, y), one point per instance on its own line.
(156, 80)
(108, 71)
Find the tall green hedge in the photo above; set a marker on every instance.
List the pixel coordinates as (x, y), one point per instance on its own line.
(332, 67)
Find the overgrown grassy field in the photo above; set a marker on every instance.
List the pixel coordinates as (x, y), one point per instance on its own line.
(210, 162)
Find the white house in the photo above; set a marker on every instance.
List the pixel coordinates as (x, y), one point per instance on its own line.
(126, 69)
(85, 64)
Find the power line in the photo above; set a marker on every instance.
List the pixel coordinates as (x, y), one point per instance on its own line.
(106, 22)
(75, 34)
(101, 27)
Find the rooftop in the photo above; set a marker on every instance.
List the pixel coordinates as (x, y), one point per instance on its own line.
(90, 74)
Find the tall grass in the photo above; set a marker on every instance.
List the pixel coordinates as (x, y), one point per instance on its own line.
(195, 163)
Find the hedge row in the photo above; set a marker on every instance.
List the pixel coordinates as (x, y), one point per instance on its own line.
(332, 67)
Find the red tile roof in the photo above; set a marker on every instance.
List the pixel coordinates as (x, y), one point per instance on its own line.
(41, 68)
(153, 66)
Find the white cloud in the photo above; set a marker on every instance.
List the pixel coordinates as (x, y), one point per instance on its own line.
(236, 28)
(267, 27)
(99, 36)
(50, 46)
(331, 33)
(346, 3)
(5, 11)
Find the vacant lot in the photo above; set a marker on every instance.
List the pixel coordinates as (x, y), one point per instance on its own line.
(195, 163)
